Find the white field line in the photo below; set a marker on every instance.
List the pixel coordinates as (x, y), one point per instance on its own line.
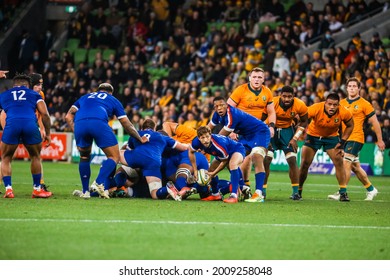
(189, 223)
(307, 187)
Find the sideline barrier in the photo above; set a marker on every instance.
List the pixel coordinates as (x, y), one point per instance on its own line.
(372, 161)
(59, 149)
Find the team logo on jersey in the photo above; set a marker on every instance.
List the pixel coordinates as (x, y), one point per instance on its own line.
(292, 114)
(336, 120)
(264, 98)
(355, 107)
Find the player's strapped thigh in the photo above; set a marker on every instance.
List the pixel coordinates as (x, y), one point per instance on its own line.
(154, 185)
(130, 172)
(290, 154)
(259, 150)
(26, 132)
(270, 150)
(317, 143)
(183, 171)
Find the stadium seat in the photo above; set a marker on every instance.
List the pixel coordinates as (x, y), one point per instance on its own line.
(73, 43)
(386, 42)
(107, 53)
(80, 55)
(92, 55)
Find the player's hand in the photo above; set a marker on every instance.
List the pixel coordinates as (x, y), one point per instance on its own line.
(47, 139)
(233, 136)
(272, 131)
(3, 74)
(293, 144)
(195, 175)
(339, 150)
(144, 139)
(381, 145)
(211, 174)
(43, 133)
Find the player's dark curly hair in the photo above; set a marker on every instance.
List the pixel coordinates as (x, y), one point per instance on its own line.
(22, 79)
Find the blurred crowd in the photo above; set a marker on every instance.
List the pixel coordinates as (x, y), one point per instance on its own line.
(205, 49)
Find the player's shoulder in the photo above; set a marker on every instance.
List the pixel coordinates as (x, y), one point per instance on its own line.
(299, 103)
(344, 101)
(364, 102)
(266, 89)
(316, 107)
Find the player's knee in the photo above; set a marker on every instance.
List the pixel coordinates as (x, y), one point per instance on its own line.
(354, 168)
(85, 156)
(305, 165)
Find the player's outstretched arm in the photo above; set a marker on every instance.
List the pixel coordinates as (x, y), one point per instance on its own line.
(130, 129)
(170, 128)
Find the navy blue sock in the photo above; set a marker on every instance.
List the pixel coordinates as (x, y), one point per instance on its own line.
(181, 182)
(110, 182)
(105, 170)
(234, 177)
(214, 184)
(36, 179)
(241, 181)
(120, 179)
(260, 180)
(162, 193)
(85, 174)
(7, 181)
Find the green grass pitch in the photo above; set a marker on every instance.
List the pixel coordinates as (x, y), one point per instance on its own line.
(65, 227)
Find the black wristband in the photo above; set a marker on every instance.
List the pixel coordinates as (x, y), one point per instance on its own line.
(342, 143)
(272, 124)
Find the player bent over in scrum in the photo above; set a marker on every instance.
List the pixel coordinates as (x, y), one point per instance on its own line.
(148, 157)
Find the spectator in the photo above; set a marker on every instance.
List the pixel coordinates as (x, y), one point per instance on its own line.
(281, 64)
(88, 38)
(327, 41)
(105, 39)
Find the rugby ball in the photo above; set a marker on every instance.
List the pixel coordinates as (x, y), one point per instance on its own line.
(203, 178)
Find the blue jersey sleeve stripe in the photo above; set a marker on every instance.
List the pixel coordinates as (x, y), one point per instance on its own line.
(229, 117)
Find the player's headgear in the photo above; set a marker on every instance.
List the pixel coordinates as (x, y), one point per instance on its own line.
(36, 79)
(106, 87)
